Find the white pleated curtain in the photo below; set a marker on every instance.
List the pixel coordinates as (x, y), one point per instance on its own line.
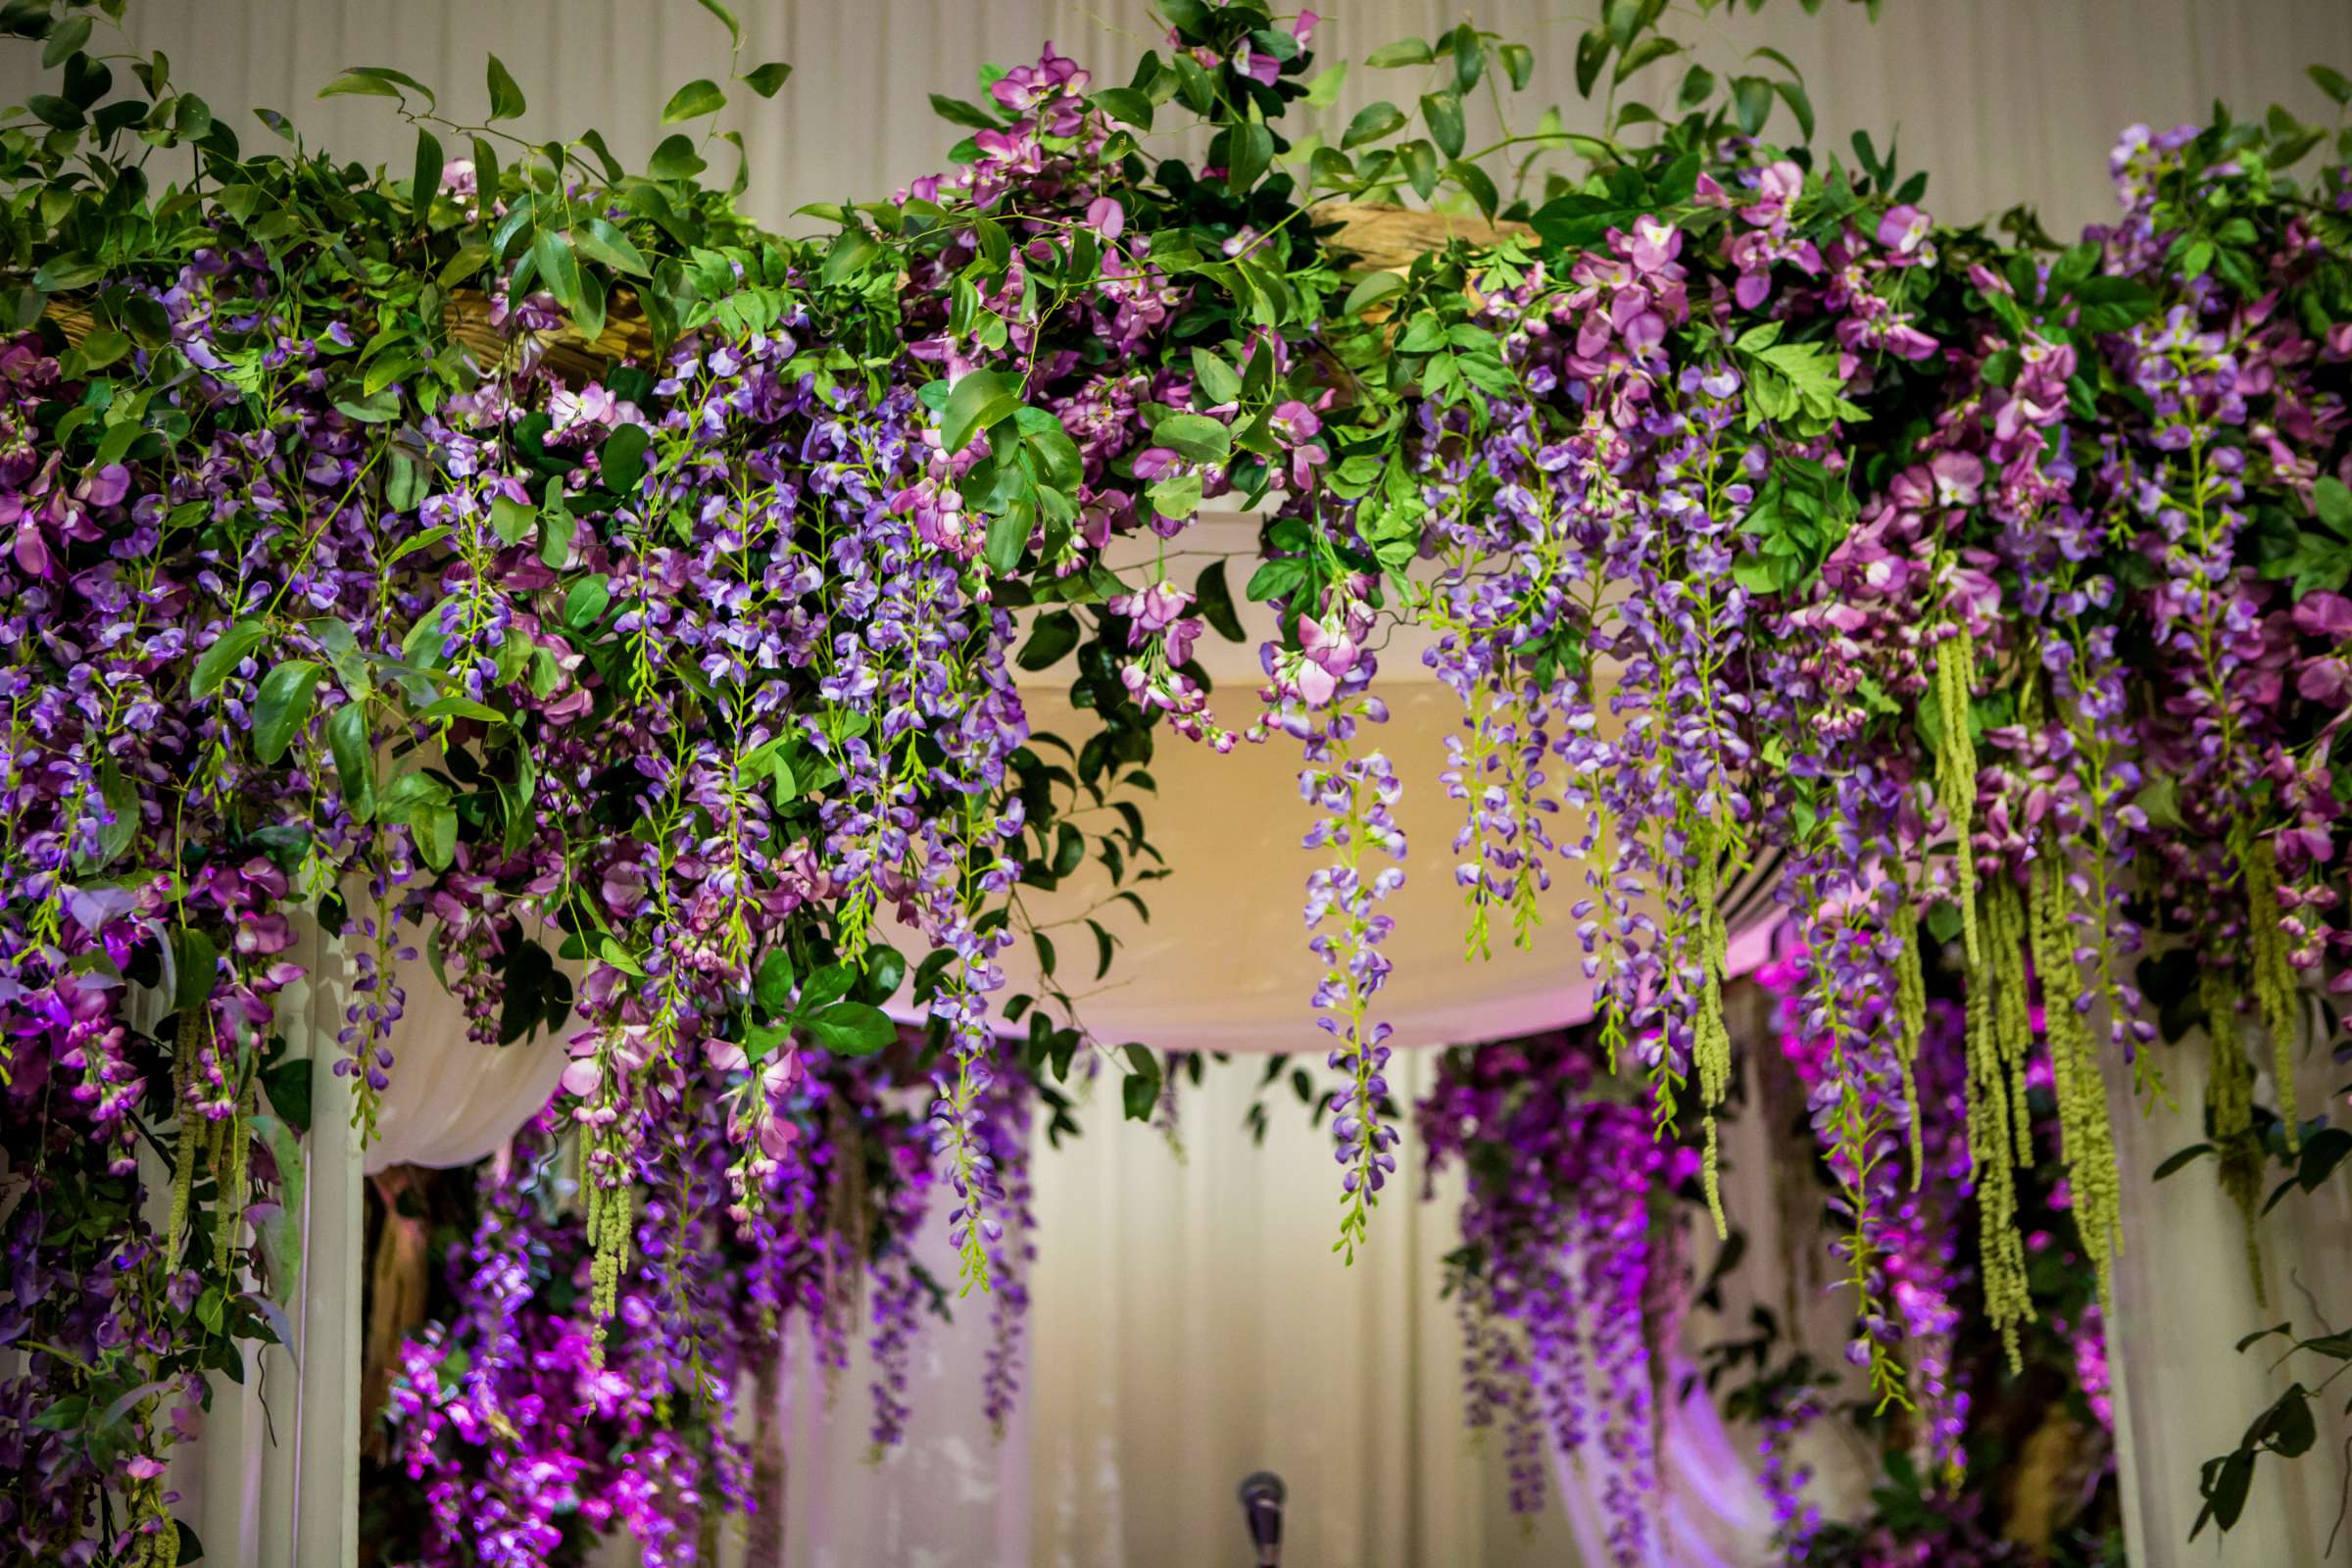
(1197, 1329)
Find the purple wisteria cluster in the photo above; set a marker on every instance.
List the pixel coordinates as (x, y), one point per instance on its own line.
(1568, 1257)
(1795, 557)
(651, 703)
(527, 1445)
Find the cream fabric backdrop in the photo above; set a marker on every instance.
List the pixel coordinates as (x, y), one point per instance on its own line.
(1200, 1327)
(2003, 100)
(1199, 1330)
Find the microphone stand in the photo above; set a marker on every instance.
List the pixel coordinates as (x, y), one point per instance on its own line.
(1262, 1496)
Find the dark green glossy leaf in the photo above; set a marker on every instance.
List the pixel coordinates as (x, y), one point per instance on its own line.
(216, 662)
(767, 78)
(620, 460)
(1051, 639)
(355, 759)
(852, 1029)
(1215, 601)
(505, 98)
(425, 182)
(981, 399)
(1249, 149)
(283, 707)
(773, 986)
(958, 112)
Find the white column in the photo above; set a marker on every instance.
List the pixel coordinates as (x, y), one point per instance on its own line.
(326, 1512)
(2183, 1299)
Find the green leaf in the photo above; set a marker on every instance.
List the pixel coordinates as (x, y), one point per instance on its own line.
(1643, 52)
(1751, 103)
(1250, 148)
(983, 398)
(584, 605)
(2287, 1428)
(1480, 187)
(772, 985)
(2181, 1160)
(71, 270)
(1273, 579)
(1404, 52)
(1800, 104)
(1007, 536)
(288, 1085)
(1195, 436)
(620, 460)
(70, 34)
(2323, 1152)
(435, 829)
(2332, 83)
(279, 1228)
(734, 28)
(600, 241)
(847, 258)
(958, 112)
(355, 761)
(123, 811)
(1122, 104)
(283, 707)
(1215, 601)
(1371, 290)
(1518, 64)
(59, 113)
(427, 181)
(559, 267)
(767, 78)
(1591, 53)
(361, 80)
(1215, 380)
(505, 98)
(101, 349)
(510, 518)
(217, 662)
(2332, 505)
(675, 159)
(1371, 123)
(853, 1029)
(699, 97)
(1051, 639)
(454, 708)
(1139, 1091)
(2112, 304)
(1441, 111)
(1176, 496)
(195, 962)
(1420, 161)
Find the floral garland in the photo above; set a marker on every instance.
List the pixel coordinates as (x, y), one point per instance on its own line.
(1572, 1288)
(522, 1443)
(1971, 593)
(1567, 1252)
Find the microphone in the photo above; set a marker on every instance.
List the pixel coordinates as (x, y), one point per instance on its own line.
(1261, 1510)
